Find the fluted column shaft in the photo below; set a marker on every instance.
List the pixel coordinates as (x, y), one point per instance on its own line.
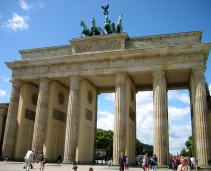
(119, 139)
(11, 122)
(41, 117)
(72, 120)
(160, 117)
(201, 116)
(3, 113)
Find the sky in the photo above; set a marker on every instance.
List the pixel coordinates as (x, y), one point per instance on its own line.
(28, 24)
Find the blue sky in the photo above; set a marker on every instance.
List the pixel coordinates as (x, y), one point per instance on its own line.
(28, 24)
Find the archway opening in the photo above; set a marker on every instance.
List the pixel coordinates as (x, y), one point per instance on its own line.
(105, 127)
(179, 120)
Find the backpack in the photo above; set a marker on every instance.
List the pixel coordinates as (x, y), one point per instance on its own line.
(147, 160)
(41, 157)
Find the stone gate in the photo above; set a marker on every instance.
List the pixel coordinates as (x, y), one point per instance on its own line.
(53, 104)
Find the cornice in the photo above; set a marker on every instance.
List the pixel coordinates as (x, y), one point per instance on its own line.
(117, 54)
(111, 42)
(45, 52)
(4, 105)
(168, 36)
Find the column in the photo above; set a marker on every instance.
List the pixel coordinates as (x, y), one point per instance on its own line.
(201, 118)
(41, 117)
(160, 117)
(119, 139)
(11, 122)
(72, 121)
(3, 113)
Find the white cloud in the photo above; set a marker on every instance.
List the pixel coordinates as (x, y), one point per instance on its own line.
(24, 5)
(0, 16)
(210, 88)
(144, 117)
(2, 93)
(110, 96)
(144, 97)
(178, 135)
(27, 6)
(105, 121)
(5, 78)
(17, 22)
(177, 113)
(174, 95)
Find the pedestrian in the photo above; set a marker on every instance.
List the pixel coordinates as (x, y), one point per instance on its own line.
(194, 162)
(59, 159)
(171, 161)
(153, 162)
(41, 161)
(146, 162)
(75, 167)
(175, 163)
(126, 163)
(91, 169)
(122, 162)
(28, 159)
(184, 165)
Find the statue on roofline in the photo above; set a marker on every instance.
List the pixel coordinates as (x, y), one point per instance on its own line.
(105, 9)
(108, 28)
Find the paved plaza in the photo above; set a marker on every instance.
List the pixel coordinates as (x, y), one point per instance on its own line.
(16, 166)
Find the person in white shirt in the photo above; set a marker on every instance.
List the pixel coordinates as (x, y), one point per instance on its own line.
(194, 163)
(28, 158)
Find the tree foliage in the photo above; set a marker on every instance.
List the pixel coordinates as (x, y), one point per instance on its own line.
(104, 140)
(188, 151)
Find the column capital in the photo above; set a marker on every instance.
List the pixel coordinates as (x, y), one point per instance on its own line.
(76, 78)
(16, 82)
(121, 74)
(155, 72)
(195, 69)
(45, 80)
(3, 112)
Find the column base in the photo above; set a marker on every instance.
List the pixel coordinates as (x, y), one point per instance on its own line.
(204, 168)
(115, 164)
(161, 167)
(68, 162)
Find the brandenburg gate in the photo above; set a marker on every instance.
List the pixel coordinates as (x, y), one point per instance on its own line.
(53, 103)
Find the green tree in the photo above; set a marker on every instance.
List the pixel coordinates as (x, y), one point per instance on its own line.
(104, 140)
(188, 151)
(183, 153)
(139, 147)
(189, 145)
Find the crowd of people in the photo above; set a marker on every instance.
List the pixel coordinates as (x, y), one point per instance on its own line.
(178, 163)
(175, 161)
(147, 162)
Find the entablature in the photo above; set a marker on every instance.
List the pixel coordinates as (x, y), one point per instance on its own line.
(184, 38)
(160, 52)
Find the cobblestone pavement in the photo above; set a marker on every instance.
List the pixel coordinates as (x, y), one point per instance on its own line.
(16, 166)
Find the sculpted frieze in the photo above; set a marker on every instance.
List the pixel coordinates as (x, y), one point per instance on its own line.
(42, 69)
(176, 58)
(150, 61)
(138, 61)
(197, 59)
(97, 46)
